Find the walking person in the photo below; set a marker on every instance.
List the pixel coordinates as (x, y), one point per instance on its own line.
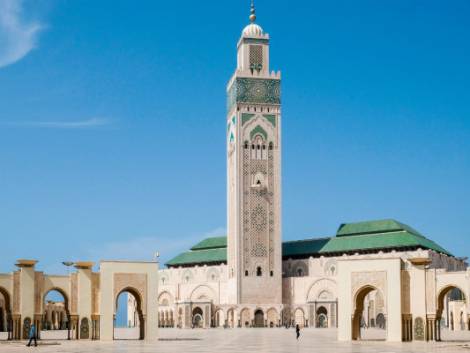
(297, 331)
(32, 336)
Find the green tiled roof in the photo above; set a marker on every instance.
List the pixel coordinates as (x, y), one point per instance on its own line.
(342, 244)
(380, 226)
(199, 257)
(211, 243)
(351, 237)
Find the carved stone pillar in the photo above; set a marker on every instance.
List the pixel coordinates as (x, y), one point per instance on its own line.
(16, 330)
(95, 333)
(38, 323)
(74, 328)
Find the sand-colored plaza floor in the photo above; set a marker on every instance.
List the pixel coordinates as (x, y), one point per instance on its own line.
(241, 340)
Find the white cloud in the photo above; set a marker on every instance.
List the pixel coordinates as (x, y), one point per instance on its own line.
(17, 37)
(81, 124)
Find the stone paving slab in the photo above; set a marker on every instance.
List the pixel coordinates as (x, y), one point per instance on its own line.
(279, 340)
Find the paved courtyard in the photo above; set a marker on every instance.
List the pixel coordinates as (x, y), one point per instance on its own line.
(240, 340)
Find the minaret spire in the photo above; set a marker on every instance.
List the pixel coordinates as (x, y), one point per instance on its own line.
(252, 12)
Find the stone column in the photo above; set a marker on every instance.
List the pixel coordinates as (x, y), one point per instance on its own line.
(97, 326)
(16, 321)
(84, 291)
(74, 328)
(26, 287)
(38, 322)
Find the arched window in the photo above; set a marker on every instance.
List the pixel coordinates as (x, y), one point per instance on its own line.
(246, 273)
(259, 272)
(300, 273)
(258, 149)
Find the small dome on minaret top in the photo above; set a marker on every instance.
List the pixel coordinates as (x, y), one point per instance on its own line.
(252, 29)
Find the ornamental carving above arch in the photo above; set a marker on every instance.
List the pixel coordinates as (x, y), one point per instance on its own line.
(373, 279)
(136, 283)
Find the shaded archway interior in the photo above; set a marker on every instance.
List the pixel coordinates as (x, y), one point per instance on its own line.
(56, 313)
(6, 323)
(140, 316)
(357, 320)
(448, 295)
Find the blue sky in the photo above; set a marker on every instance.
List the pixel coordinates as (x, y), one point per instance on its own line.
(112, 121)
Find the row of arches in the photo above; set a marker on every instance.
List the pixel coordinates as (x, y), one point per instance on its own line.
(55, 317)
(247, 318)
(451, 314)
(56, 322)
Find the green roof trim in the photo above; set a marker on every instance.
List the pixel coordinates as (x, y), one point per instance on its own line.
(390, 240)
(199, 257)
(211, 243)
(350, 238)
(369, 227)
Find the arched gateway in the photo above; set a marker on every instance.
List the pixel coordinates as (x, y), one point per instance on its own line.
(137, 278)
(80, 305)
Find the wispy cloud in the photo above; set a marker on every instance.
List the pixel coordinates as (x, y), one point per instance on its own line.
(17, 36)
(144, 248)
(80, 124)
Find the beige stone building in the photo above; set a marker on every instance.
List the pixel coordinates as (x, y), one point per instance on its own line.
(377, 274)
(90, 300)
(381, 274)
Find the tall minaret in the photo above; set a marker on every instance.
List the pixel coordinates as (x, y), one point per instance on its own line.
(254, 173)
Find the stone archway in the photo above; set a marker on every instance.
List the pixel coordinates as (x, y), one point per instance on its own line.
(197, 317)
(433, 329)
(117, 335)
(231, 318)
(259, 318)
(380, 321)
(245, 317)
(322, 317)
(272, 317)
(299, 317)
(218, 318)
(6, 322)
(56, 320)
(286, 317)
(358, 319)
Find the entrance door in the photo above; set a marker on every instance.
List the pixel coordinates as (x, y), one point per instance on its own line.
(198, 320)
(259, 318)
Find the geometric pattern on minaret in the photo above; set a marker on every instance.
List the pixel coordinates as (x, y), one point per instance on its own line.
(254, 256)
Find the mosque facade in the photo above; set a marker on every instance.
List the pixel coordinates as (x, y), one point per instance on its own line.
(250, 278)
(381, 274)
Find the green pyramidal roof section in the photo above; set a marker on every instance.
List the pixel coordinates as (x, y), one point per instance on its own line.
(207, 256)
(357, 243)
(370, 227)
(211, 243)
(350, 238)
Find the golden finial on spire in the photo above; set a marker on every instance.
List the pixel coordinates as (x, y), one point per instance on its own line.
(252, 12)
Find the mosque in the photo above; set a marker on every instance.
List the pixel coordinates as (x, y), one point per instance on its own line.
(370, 274)
(380, 274)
